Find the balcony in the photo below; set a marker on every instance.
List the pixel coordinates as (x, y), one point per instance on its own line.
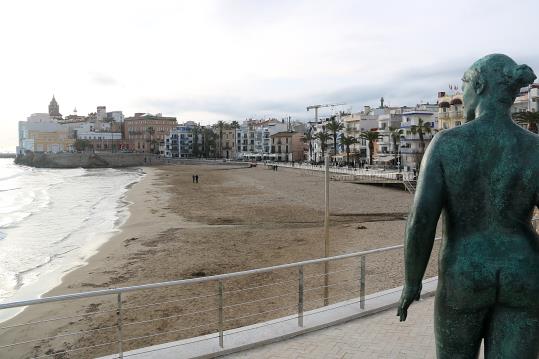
(407, 150)
(456, 114)
(412, 138)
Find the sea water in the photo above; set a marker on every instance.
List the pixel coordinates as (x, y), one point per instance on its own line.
(52, 221)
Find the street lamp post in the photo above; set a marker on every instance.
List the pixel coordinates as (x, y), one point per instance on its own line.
(326, 230)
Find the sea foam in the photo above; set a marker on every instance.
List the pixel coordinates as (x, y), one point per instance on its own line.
(52, 220)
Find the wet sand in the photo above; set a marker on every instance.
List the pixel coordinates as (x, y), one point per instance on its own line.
(234, 219)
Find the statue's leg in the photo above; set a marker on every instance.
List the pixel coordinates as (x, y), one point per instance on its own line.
(512, 333)
(458, 332)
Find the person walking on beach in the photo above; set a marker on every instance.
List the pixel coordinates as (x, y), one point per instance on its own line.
(196, 178)
(193, 178)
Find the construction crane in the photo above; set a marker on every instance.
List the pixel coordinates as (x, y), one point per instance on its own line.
(316, 107)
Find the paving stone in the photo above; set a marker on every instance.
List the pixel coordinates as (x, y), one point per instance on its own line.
(377, 336)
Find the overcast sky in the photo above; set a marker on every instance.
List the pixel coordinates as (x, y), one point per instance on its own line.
(210, 60)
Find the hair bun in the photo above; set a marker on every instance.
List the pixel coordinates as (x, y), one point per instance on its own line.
(523, 76)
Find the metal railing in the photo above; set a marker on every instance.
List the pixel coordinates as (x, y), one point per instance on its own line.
(372, 173)
(303, 291)
(297, 292)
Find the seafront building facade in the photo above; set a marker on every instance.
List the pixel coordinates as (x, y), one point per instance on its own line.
(180, 142)
(528, 100)
(145, 132)
(287, 146)
(104, 130)
(41, 133)
(51, 132)
(450, 110)
(253, 138)
(228, 143)
(413, 145)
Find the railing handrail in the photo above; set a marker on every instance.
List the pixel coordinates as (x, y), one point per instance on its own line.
(217, 277)
(111, 291)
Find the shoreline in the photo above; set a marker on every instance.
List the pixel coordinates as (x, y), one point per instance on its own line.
(127, 228)
(60, 283)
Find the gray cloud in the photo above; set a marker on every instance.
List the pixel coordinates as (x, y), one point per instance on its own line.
(408, 87)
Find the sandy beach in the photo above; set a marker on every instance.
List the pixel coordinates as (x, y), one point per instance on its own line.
(235, 218)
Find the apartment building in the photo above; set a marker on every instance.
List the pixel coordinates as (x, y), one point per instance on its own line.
(145, 132)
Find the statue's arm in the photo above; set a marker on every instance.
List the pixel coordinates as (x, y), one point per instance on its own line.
(423, 217)
(421, 226)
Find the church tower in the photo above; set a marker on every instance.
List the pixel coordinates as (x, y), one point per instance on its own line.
(54, 109)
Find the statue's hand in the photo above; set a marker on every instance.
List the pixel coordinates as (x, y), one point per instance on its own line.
(409, 294)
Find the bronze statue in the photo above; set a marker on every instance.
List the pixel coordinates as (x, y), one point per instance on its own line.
(484, 176)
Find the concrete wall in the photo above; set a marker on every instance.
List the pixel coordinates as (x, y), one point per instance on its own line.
(87, 160)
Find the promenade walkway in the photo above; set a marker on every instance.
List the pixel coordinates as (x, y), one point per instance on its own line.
(377, 336)
(374, 337)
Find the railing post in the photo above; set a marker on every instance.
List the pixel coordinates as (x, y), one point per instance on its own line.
(119, 326)
(221, 314)
(300, 297)
(362, 282)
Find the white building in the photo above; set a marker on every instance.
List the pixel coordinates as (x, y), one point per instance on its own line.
(356, 123)
(410, 147)
(101, 113)
(41, 133)
(179, 143)
(253, 138)
(115, 116)
(40, 118)
(528, 100)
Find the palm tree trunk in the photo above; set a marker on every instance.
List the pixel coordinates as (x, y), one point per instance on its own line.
(335, 143)
(347, 155)
(220, 143)
(371, 150)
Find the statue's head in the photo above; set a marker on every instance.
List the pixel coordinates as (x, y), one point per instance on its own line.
(496, 77)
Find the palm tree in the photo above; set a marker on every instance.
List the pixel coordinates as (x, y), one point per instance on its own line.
(347, 141)
(334, 126)
(370, 137)
(395, 134)
(220, 126)
(208, 141)
(308, 137)
(150, 131)
(529, 118)
(421, 129)
(323, 137)
(234, 124)
(195, 131)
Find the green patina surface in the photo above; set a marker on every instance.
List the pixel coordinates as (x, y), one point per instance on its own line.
(483, 177)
